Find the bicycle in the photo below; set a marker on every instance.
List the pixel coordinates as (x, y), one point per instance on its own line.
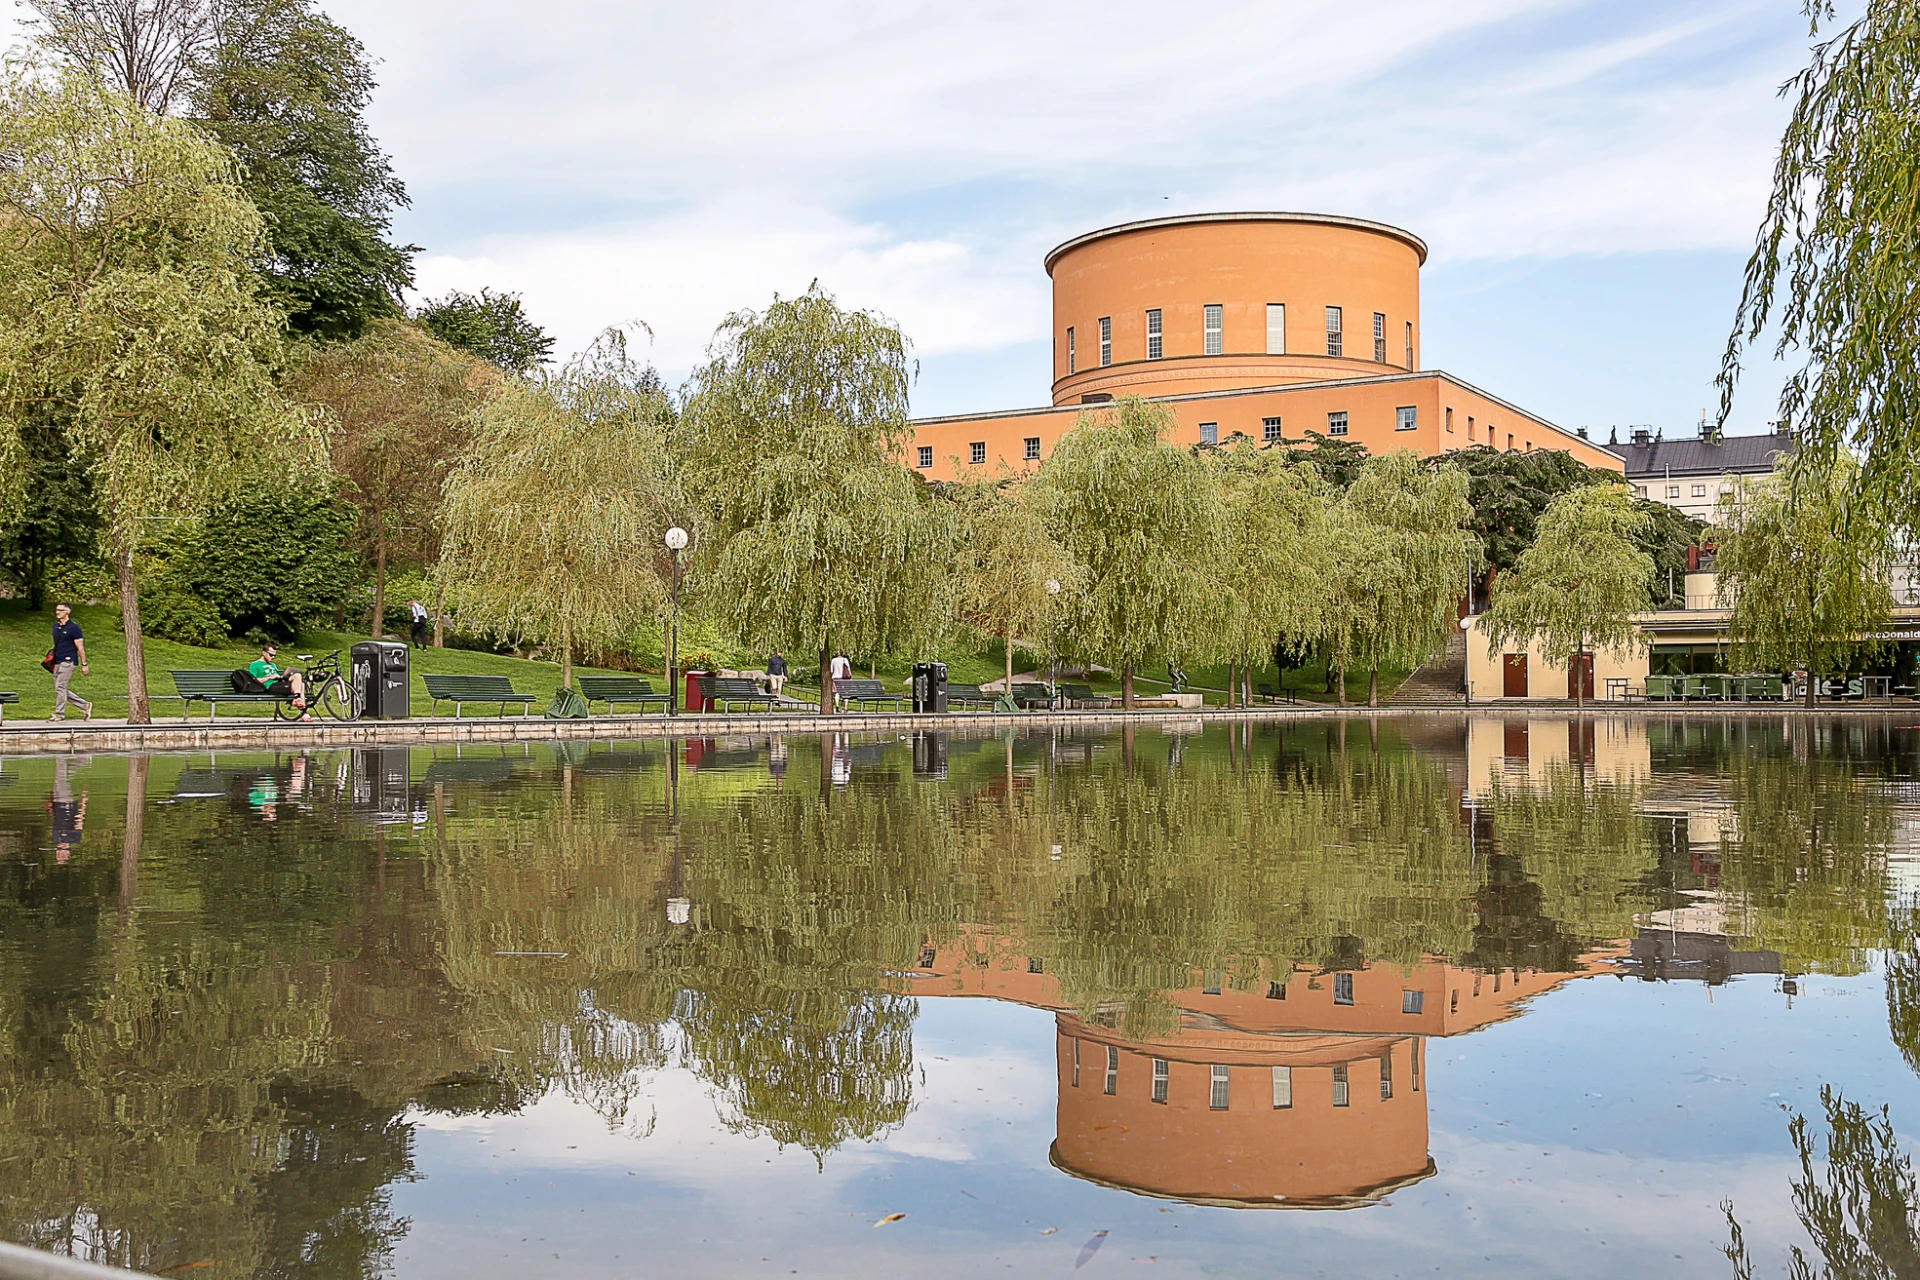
(328, 692)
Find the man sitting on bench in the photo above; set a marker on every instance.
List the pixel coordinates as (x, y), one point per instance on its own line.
(285, 684)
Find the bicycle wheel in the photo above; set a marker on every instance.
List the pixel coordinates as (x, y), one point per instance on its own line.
(337, 700)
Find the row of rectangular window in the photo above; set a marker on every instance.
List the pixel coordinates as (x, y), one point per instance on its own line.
(1220, 1080)
(1406, 418)
(977, 452)
(1213, 334)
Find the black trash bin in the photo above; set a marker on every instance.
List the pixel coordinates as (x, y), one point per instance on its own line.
(930, 688)
(380, 679)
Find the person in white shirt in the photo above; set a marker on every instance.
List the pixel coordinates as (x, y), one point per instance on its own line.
(837, 670)
(419, 612)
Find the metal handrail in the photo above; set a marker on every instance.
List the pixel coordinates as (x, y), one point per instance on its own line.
(18, 1263)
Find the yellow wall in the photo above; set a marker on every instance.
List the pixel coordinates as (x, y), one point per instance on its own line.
(1546, 676)
(1525, 750)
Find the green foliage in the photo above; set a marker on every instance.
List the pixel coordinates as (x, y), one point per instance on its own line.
(59, 516)
(553, 522)
(1399, 564)
(491, 326)
(1803, 570)
(1007, 558)
(1339, 461)
(1666, 535)
(171, 609)
(1580, 584)
(814, 536)
(1272, 572)
(1146, 523)
(1510, 489)
(273, 559)
(1835, 272)
(1857, 1199)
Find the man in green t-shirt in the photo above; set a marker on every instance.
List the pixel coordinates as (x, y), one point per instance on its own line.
(274, 680)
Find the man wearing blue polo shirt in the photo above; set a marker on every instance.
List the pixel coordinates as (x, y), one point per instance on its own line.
(69, 651)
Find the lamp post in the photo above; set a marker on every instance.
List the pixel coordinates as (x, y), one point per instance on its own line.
(1053, 673)
(1466, 625)
(676, 541)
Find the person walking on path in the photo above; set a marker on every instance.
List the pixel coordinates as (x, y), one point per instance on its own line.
(419, 612)
(776, 673)
(69, 651)
(839, 670)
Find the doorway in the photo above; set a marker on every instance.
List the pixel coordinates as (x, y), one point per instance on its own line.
(1580, 677)
(1513, 676)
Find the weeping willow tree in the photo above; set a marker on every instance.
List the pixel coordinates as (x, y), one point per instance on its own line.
(1006, 562)
(1578, 587)
(553, 521)
(1805, 576)
(1272, 579)
(1144, 520)
(129, 304)
(820, 539)
(1836, 269)
(1400, 560)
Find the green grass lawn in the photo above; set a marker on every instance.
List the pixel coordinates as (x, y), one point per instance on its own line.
(25, 638)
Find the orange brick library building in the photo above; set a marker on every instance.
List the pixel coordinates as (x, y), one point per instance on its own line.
(1264, 325)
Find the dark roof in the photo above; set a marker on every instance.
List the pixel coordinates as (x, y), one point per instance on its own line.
(1692, 456)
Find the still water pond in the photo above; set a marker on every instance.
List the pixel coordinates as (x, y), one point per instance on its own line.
(1466, 997)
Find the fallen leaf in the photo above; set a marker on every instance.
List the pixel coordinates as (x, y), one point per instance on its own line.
(1049, 1231)
(892, 1217)
(1088, 1249)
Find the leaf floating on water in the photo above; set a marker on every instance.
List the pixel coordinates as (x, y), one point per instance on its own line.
(1088, 1249)
(892, 1217)
(1049, 1231)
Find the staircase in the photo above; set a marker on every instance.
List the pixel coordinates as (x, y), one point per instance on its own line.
(1439, 683)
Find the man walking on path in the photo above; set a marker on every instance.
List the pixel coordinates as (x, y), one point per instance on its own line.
(69, 651)
(419, 624)
(838, 670)
(776, 673)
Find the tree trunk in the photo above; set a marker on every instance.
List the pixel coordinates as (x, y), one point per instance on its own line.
(1340, 682)
(1580, 676)
(379, 585)
(1373, 685)
(439, 613)
(1008, 638)
(135, 830)
(137, 712)
(1810, 684)
(1126, 684)
(1233, 680)
(566, 653)
(826, 693)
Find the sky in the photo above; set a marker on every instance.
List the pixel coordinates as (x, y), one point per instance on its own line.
(1589, 176)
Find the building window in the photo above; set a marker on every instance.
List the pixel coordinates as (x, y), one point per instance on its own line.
(1409, 346)
(1069, 348)
(1159, 1079)
(1412, 1001)
(1282, 1088)
(1340, 1086)
(1379, 338)
(1509, 442)
(1453, 1004)
(1336, 424)
(1406, 418)
(1469, 426)
(1113, 1070)
(1529, 446)
(1276, 991)
(1639, 491)
(1076, 1064)
(1032, 453)
(1210, 320)
(977, 452)
(1217, 1096)
(1343, 988)
(1154, 349)
(1106, 341)
(1036, 965)
(927, 956)
(1386, 1075)
(1699, 491)
(1449, 419)
(1276, 328)
(1673, 491)
(1209, 433)
(1269, 429)
(1333, 331)
(926, 455)
(1415, 1056)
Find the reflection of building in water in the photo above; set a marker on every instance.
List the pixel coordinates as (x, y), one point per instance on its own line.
(1307, 1092)
(1518, 750)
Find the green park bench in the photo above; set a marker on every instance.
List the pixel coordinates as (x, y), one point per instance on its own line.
(724, 693)
(960, 695)
(213, 688)
(1271, 694)
(858, 693)
(1082, 695)
(459, 689)
(612, 689)
(1032, 696)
